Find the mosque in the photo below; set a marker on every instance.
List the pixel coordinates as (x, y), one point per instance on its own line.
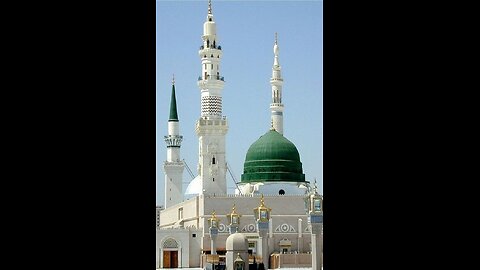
(274, 216)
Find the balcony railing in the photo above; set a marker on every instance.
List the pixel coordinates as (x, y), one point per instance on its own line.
(211, 47)
(217, 77)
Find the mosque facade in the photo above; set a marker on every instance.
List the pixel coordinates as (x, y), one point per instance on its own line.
(272, 178)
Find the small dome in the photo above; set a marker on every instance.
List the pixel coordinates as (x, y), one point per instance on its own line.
(272, 158)
(195, 186)
(237, 242)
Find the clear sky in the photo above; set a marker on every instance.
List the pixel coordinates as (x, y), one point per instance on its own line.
(245, 30)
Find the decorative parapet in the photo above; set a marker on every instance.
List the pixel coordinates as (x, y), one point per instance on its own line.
(249, 195)
(212, 122)
(173, 140)
(173, 163)
(214, 77)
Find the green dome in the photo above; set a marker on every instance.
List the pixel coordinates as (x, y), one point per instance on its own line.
(272, 158)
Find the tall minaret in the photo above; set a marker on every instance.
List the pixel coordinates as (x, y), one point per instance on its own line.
(212, 127)
(276, 107)
(173, 166)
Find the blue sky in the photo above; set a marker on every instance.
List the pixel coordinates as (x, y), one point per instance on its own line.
(245, 31)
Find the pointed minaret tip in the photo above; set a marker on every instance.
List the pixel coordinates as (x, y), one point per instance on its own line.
(173, 104)
(173, 79)
(209, 6)
(275, 47)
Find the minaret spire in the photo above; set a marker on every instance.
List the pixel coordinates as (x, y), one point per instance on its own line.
(276, 107)
(209, 6)
(173, 104)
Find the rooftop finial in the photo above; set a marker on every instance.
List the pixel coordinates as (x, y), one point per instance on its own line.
(209, 6)
(173, 78)
(276, 38)
(271, 123)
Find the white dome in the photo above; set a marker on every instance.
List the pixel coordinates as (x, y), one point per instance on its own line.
(237, 242)
(195, 186)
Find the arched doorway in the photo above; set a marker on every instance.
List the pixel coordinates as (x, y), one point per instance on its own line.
(170, 253)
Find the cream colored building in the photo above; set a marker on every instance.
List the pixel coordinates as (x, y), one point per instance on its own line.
(186, 223)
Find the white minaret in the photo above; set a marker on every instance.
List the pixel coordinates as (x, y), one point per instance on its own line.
(212, 127)
(173, 166)
(276, 107)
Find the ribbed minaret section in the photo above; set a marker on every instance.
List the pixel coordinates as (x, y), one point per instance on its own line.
(173, 166)
(276, 107)
(212, 126)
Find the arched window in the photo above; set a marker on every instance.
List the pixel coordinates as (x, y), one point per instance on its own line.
(213, 160)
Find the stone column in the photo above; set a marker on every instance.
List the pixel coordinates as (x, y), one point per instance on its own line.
(300, 236)
(271, 243)
(232, 229)
(262, 219)
(316, 221)
(213, 240)
(262, 228)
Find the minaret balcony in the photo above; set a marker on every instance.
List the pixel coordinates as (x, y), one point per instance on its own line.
(208, 52)
(212, 122)
(213, 47)
(213, 77)
(211, 126)
(174, 163)
(211, 82)
(173, 140)
(277, 107)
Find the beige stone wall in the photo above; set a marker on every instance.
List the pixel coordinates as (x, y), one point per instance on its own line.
(286, 210)
(170, 216)
(290, 260)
